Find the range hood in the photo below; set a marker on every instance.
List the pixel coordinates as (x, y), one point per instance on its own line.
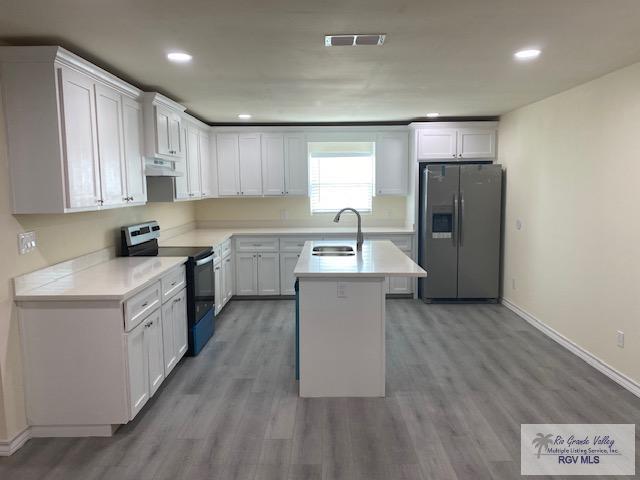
(155, 167)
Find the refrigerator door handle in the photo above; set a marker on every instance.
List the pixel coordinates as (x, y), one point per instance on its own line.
(454, 227)
(460, 230)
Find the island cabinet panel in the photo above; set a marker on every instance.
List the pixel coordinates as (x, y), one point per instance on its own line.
(342, 351)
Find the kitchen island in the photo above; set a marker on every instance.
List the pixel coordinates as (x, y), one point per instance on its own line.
(342, 316)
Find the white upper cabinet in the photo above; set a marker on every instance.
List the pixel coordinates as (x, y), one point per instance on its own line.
(249, 153)
(205, 164)
(79, 140)
(476, 143)
(163, 124)
(392, 163)
(110, 146)
(296, 177)
(213, 166)
(456, 143)
(134, 151)
(272, 164)
(437, 144)
(228, 164)
(193, 161)
(72, 145)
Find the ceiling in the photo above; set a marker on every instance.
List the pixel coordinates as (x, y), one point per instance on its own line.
(267, 57)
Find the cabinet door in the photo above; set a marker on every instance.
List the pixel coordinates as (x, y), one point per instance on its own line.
(476, 143)
(79, 137)
(133, 151)
(217, 279)
(287, 265)
(213, 166)
(246, 273)
(400, 285)
(392, 163)
(228, 164)
(168, 337)
(272, 164)
(296, 181)
(154, 347)
(229, 278)
(110, 145)
(437, 144)
(176, 140)
(268, 274)
(138, 367)
(182, 181)
(205, 164)
(249, 152)
(193, 162)
(163, 119)
(180, 324)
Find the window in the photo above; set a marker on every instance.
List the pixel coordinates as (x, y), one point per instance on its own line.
(341, 174)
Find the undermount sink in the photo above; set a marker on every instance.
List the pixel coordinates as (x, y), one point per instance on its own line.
(333, 251)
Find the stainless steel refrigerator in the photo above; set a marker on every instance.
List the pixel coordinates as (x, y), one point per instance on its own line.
(460, 219)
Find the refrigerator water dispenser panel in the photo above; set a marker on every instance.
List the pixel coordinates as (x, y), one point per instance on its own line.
(442, 225)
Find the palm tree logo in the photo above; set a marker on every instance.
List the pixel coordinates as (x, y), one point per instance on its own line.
(542, 441)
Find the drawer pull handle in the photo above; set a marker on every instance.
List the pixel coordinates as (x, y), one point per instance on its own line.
(173, 284)
(145, 304)
(177, 300)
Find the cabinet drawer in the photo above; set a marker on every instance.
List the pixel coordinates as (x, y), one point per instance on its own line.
(225, 248)
(403, 242)
(172, 282)
(257, 244)
(290, 244)
(140, 305)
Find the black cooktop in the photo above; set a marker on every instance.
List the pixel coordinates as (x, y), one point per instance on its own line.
(193, 252)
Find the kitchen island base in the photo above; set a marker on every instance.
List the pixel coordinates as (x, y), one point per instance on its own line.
(342, 337)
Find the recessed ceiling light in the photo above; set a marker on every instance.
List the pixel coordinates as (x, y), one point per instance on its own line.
(244, 116)
(527, 54)
(433, 114)
(179, 57)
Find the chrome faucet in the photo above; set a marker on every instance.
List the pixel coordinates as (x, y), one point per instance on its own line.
(359, 237)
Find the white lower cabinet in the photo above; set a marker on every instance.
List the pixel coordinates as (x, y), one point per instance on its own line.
(257, 273)
(400, 285)
(138, 360)
(217, 280)
(246, 273)
(228, 278)
(288, 262)
(145, 357)
(174, 330)
(268, 274)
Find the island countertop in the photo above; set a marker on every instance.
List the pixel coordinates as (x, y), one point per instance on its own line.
(378, 258)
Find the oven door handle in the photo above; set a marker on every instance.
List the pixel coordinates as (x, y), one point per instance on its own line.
(205, 260)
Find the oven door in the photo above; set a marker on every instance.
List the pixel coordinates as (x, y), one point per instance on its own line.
(203, 286)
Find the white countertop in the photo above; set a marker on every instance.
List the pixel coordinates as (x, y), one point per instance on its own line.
(215, 236)
(116, 279)
(378, 258)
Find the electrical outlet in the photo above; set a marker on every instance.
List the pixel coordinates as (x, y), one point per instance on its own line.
(513, 284)
(342, 290)
(284, 214)
(620, 338)
(26, 242)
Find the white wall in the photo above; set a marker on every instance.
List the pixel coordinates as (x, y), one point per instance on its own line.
(573, 178)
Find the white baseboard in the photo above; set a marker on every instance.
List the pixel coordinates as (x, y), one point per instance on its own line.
(8, 447)
(618, 377)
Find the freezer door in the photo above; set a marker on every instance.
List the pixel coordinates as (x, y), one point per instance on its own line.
(439, 235)
(479, 231)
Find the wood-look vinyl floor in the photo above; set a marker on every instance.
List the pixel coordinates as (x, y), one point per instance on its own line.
(460, 381)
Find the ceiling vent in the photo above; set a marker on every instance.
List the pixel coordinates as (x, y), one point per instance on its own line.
(353, 39)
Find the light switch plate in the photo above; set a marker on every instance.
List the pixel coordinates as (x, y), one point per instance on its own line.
(26, 242)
